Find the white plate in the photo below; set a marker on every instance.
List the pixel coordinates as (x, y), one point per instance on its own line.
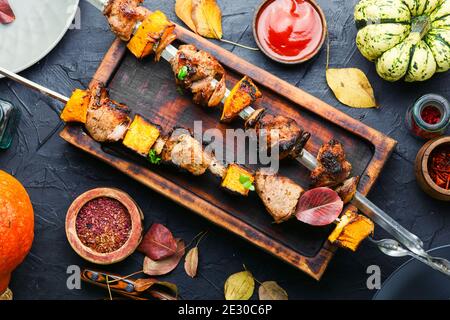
(38, 28)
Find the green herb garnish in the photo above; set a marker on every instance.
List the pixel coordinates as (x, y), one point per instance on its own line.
(183, 73)
(153, 157)
(246, 182)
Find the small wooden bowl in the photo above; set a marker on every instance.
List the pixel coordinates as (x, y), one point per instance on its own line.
(127, 248)
(269, 54)
(421, 169)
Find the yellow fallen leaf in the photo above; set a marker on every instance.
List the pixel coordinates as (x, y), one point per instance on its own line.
(191, 262)
(239, 286)
(351, 87)
(183, 9)
(207, 18)
(270, 290)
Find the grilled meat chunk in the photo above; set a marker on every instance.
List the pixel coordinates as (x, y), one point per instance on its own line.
(347, 190)
(98, 94)
(108, 122)
(123, 15)
(333, 167)
(279, 194)
(194, 70)
(280, 132)
(185, 152)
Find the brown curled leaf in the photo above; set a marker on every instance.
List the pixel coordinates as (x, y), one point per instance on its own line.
(161, 267)
(158, 243)
(270, 290)
(191, 262)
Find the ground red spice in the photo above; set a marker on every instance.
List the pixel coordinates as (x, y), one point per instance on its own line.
(431, 115)
(439, 167)
(103, 224)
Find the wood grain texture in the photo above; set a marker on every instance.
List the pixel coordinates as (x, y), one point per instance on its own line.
(149, 89)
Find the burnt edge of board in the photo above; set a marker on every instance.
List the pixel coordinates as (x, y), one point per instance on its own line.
(313, 266)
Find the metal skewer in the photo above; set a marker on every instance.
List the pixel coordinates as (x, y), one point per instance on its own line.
(33, 85)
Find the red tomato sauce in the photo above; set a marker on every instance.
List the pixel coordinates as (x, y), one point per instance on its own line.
(289, 29)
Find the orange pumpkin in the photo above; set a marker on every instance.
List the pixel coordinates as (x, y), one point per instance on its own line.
(16, 226)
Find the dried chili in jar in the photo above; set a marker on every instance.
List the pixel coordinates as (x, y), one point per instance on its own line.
(429, 117)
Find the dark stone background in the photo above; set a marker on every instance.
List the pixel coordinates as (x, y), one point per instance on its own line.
(55, 173)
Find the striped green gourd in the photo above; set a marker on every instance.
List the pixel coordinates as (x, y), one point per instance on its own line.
(407, 39)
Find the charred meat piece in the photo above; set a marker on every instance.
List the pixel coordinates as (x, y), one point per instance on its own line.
(281, 133)
(253, 118)
(279, 194)
(347, 190)
(333, 167)
(194, 70)
(108, 122)
(98, 94)
(185, 152)
(202, 90)
(123, 15)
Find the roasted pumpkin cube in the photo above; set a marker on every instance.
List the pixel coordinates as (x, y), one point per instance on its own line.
(77, 106)
(351, 230)
(141, 135)
(238, 179)
(146, 39)
(243, 94)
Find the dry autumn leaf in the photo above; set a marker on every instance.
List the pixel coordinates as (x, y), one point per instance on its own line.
(351, 87)
(161, 267)
(270, 290)
(207, 18)
(183, 9)
(158, 243)
(191, 262)
(239, 286)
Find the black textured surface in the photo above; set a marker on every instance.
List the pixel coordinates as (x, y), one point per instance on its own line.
(55, 173)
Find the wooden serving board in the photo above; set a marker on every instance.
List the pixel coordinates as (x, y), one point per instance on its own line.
(149, 89)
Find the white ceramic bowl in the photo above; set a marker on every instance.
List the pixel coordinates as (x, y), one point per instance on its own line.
(38, 28)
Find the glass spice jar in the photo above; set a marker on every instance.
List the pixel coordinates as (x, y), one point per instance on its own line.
(429, 116)
(9, 116)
